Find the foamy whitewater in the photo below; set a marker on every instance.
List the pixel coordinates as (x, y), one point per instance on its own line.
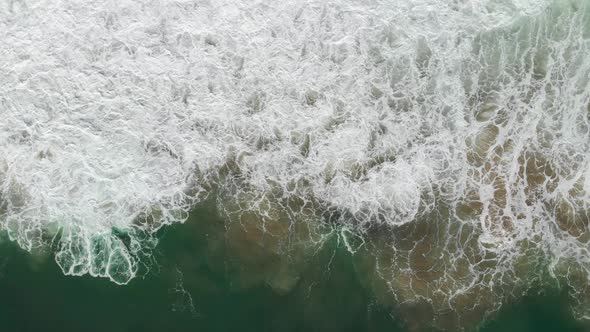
(451, 137)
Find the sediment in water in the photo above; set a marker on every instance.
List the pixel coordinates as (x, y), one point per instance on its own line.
(445, 145)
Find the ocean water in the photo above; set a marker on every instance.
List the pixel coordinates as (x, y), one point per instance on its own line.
(297, 165)
(189, 293)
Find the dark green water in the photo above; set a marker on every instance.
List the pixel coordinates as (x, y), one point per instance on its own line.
(193, 290)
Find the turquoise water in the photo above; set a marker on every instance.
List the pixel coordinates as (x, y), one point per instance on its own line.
(190, 288)
(307, 165)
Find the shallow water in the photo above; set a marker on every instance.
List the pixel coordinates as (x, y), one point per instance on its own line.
(327, 163)
(186, 291)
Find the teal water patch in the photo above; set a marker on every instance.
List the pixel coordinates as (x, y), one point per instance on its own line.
(191, 288)
(539, 312)
(192, 285)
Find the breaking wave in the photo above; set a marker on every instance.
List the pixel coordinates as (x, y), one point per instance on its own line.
(447, 143)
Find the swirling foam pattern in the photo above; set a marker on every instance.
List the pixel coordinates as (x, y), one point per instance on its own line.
(451, 136)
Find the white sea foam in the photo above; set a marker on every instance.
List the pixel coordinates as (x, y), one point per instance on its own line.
(119, 116)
